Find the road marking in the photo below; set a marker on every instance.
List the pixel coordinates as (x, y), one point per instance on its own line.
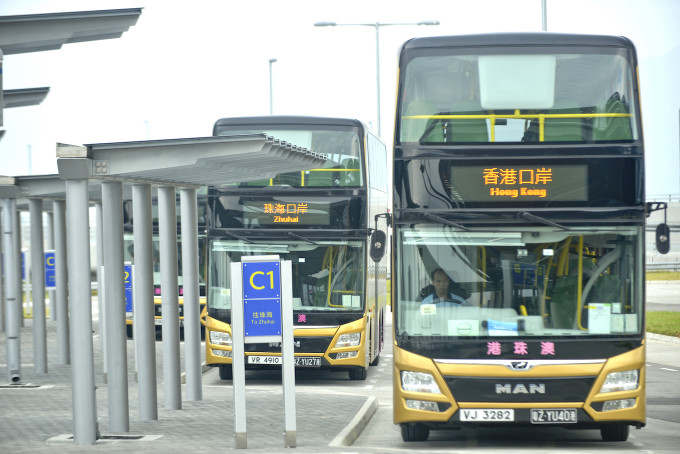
(666, 368)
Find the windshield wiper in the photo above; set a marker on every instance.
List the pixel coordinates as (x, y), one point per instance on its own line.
(238, 237)
(532, 217)
(436, 218)
(298, 237)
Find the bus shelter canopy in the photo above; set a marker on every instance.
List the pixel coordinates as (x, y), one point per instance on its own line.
(201, 161)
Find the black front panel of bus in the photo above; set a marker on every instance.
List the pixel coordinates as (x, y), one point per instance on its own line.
(311, 319)
(287, 211)
(498, 183)
(452, 348)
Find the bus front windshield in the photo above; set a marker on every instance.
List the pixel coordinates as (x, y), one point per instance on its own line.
(327, 275)
(537, 282)
(525, 96)
(342, 148)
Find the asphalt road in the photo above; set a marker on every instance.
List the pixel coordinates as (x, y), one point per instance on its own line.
(663, 296)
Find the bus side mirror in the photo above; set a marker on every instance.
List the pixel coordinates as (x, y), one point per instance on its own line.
(378, 244)
(663, 238)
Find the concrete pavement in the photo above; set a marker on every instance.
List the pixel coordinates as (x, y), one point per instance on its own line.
(38, 416)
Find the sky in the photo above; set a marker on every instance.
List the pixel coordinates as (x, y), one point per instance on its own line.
(185, 64)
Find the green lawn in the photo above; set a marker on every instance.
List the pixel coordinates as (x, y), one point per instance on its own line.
(664, 322)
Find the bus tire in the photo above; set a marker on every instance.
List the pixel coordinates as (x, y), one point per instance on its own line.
(375, 361)
(129, 331)
(226, 372)
(358, 374)
(614, 432)
(414, 432)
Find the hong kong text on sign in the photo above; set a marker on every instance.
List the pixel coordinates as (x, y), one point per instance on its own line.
(262, 298)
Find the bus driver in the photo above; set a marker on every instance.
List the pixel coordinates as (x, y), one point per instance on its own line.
(441, 290)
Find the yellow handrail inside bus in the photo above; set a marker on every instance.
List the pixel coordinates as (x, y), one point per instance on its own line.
(517, 115)
(481, 257)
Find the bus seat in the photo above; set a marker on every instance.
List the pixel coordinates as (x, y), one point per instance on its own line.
(288, 179)
(473, 130)
(352, 176)
(563, 304)
(616, 128)
(563, 129)
(412, 130)
(320, 177)
(607, 289)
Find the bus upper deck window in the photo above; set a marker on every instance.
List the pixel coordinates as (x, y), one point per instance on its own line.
(517, 81)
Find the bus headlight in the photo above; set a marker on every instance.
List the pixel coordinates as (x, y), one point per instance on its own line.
(220, 338)
(626, 380)
(222, 353)
(348, 340)
(418, 382)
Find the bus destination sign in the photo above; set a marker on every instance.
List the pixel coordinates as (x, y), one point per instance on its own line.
(277, 212)
(512, 183)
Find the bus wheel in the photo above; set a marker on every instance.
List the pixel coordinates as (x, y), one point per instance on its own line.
(375, 361)
(614, 432)
(129, 331)
(358, 374)
(414, 432)
(226, 372)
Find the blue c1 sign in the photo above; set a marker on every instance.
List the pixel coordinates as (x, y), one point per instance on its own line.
(261, 298)
(50, 270)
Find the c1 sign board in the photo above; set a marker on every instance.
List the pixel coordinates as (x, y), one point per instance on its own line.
(262, 301)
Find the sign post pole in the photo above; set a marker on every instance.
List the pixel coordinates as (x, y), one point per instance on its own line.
(287, 356)
(238, 365)
(262, 311)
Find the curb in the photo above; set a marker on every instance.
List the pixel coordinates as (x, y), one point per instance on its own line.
(662, 338)
(352, 431)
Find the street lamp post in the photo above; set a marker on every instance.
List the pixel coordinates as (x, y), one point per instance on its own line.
(271, 87)
(377, 26)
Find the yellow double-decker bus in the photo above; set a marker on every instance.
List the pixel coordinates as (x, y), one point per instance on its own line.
(518, 234)
(321, 220)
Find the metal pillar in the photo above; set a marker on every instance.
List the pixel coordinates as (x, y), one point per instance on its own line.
(114, 307)
(167, 227)
(61, 278)
(2, 280)
(49, 245)
(99, 244)
(82, 371)
(38, 287)
(12, 302)
(143, 305)
(16, 217)
(192, 323)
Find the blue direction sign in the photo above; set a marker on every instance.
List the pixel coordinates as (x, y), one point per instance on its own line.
(50, 270)
(127, 275)
(261, 298)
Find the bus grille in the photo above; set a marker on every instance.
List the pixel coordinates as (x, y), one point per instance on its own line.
(302, 345)
(534, 389)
